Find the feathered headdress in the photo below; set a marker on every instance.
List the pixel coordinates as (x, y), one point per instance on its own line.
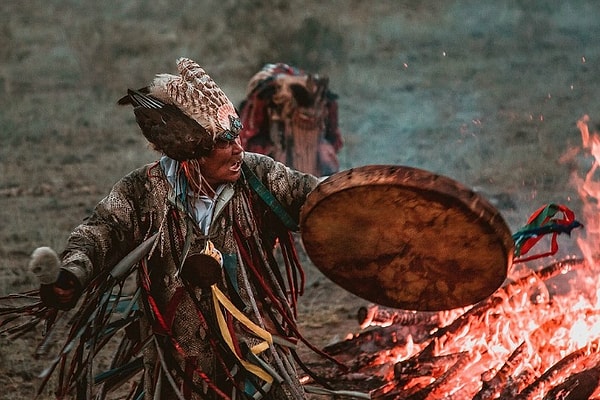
(182, 115)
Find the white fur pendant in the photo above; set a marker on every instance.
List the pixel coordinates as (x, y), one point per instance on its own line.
(45, 264)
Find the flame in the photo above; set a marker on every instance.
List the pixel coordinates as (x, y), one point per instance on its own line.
(589, 192)
(530, 337)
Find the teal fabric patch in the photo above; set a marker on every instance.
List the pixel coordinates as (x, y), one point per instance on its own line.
(230, 265)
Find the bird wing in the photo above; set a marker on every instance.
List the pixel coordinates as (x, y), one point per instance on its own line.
(127, 99)
(167, 127)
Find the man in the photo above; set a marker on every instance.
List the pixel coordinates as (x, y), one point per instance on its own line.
(217, 315)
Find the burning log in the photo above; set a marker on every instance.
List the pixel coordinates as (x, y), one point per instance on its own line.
(434, 366)
(514, 344)
(491, 389)
(375, 315)
(483, 318)
(577, 386)
(566, 366)
(444, 383)
(508, 383)
(393, 328)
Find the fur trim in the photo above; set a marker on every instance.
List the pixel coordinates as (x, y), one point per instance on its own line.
(45, 264)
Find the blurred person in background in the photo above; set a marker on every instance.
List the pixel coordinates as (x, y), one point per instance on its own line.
(292, 116)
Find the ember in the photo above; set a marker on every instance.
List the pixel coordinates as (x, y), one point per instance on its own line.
(537, 337)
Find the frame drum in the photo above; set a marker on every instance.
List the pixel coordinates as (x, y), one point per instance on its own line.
(406, 238)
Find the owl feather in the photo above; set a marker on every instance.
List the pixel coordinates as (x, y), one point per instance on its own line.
(182, 115)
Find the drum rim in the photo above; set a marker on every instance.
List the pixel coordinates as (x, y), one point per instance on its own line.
(410, 178)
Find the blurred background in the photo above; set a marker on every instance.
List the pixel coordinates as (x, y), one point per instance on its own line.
(485, 92)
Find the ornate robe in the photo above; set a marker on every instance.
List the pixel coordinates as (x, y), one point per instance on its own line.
(225, 335)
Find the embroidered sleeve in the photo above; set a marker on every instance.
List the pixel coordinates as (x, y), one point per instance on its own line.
(113, 229)
(291, 187)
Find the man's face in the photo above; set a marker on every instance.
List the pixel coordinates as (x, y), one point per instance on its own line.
(224, 163)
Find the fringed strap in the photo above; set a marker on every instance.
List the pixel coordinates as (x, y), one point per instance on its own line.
(216, 346)
(161, 326)
(294, 271)
(277, 302)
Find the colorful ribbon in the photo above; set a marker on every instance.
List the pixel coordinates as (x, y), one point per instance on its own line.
(219, 298)
(541, 223)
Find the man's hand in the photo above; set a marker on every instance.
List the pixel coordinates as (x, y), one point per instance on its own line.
(58, 287)
(62, 294)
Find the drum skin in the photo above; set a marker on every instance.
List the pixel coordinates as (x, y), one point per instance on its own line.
(406, 238)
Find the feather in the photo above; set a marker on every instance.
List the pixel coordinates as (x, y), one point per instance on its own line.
(168, 128)
(128, 100)
(182, 115)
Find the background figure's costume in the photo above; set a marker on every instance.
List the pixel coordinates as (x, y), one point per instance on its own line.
(292, 116)
(245, 230)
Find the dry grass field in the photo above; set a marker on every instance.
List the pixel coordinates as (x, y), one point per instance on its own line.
(484, 92)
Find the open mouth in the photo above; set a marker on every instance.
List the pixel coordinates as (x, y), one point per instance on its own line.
(237, 165)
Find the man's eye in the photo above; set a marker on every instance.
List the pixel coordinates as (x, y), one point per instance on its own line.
(222, 144)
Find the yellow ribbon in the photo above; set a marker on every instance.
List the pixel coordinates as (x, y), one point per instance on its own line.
(220, 298)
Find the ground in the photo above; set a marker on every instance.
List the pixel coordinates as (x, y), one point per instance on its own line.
(487, 93)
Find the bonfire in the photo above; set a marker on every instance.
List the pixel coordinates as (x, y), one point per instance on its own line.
(536, 337)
